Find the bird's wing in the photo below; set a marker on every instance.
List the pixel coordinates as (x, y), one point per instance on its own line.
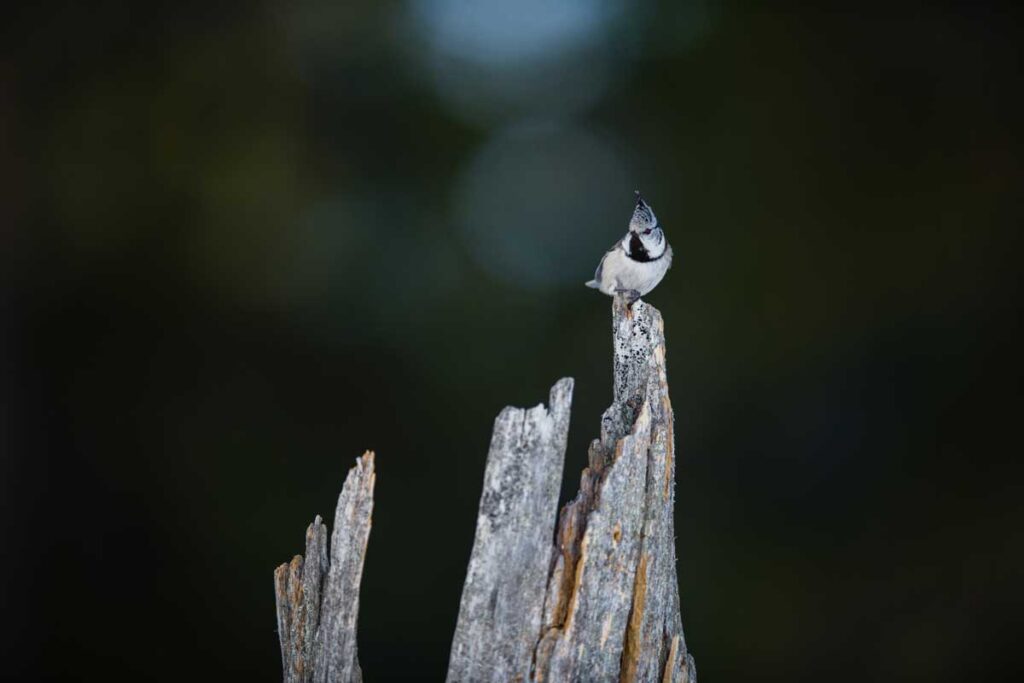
(596, 282)
(597, 273)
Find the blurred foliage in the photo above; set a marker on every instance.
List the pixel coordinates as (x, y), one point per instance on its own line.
(242, 243)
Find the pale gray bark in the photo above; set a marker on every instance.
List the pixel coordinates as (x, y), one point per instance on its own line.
(611, 605)
(503, 597)
(318, 597)
(600, 603)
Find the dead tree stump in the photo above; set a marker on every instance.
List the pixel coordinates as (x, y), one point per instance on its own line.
(591, 598)
(318, 597)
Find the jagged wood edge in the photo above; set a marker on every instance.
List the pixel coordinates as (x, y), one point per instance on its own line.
(503, 596)
(318, 600)
(611, 609)
(585, 634)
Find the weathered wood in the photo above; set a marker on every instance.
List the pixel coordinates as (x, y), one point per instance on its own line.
(587, 642)
(298, 604)
(611, 605)
(318, 597)
(503, 597)
(600, 603)
(613, 594)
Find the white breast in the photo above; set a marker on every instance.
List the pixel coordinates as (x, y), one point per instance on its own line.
(619, 272)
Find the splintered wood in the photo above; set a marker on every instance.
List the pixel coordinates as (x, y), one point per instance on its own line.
(500, 612)
(610, 608)
(318, 596)
(593, 597)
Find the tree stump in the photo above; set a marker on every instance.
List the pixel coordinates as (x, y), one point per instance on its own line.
(591, 598)
(318, 598)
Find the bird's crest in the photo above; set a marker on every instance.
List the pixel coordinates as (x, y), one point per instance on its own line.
(643, 216)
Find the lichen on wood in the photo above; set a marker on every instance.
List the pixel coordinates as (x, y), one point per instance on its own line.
(610, 609)
(593, 597)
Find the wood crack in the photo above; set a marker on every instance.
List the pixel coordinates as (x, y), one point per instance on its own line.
(588, 593)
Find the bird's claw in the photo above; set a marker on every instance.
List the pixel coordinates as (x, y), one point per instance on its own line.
(629, 297)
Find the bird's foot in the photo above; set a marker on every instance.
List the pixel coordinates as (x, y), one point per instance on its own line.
(628, 297)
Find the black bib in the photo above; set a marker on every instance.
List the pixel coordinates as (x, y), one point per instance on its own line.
(637, 250)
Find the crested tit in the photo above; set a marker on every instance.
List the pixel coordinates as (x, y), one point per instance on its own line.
(637, 262)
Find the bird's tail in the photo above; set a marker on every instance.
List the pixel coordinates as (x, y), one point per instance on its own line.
(593, 284)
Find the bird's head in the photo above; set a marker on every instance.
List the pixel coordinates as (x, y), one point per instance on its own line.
(643, 222)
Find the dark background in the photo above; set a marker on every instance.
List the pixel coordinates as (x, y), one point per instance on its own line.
(242, 242)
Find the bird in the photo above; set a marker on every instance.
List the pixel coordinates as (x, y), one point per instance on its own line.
(636, 263)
